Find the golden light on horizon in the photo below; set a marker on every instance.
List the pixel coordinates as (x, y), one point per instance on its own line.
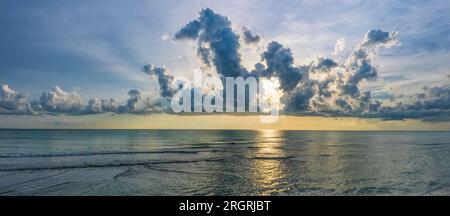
(217, 121)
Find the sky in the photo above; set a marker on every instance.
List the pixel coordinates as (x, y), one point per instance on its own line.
(382, 62)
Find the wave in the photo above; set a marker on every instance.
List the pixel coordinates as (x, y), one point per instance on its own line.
(271, 157)
(433, 144)
(116, 164)
(74, 154)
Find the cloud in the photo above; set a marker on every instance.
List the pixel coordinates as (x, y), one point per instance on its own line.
(339, 46)
(137, 103)
(249, 37)
(358, 65)
(433, 103)
(279, 61)
(135, 98)
(217, 44)
(58, 101)
(165, 37)
(327, 86)
(336, 85)
(323, 87)
(12, 102)
(190, 31)
(96, 105)
(164, 79)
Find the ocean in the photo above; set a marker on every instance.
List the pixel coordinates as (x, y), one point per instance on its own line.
(223, 162)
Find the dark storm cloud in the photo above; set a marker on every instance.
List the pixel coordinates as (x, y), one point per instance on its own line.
(249, 36)
(280, 63)
(298, 99)
(218, 45)
(190, 31)
(164, 79)
(133, 102)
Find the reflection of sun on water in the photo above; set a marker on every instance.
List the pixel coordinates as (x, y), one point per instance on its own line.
(269, 168)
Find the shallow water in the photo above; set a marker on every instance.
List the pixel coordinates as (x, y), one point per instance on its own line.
(214, 162)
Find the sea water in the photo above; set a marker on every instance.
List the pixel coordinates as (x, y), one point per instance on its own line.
(223, 162)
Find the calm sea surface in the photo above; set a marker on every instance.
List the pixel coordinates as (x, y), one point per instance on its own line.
(200, 162)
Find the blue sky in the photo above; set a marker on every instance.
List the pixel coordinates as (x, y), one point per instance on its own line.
(98, 48)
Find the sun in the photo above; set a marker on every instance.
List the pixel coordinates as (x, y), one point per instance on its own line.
(269, 94)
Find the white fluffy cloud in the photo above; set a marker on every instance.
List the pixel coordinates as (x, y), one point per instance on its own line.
(339, 46)
(12, 102)
(58, 101)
